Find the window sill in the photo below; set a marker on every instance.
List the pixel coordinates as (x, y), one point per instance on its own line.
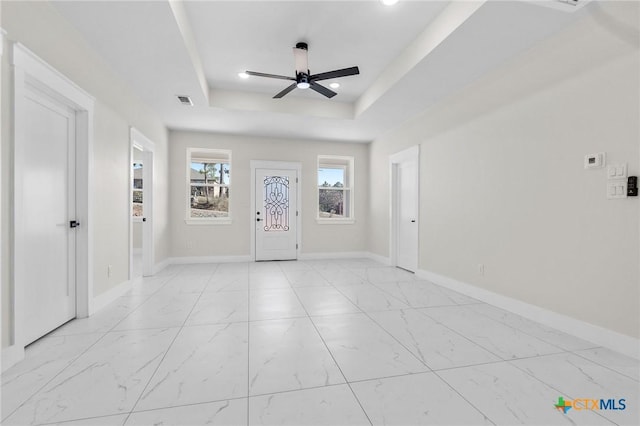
(335, 221)
(225, 221)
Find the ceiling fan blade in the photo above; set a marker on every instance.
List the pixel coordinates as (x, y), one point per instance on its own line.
(261, 74)
(322, 90)
(335, 74)
(285, 91)
(302, 60)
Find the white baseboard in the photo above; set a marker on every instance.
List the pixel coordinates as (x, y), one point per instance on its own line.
(161, 265)
(610, 339)
(334, 255)
(382, 259)
(103, 299)
(11, 355)
(209, 259)
(247, 258)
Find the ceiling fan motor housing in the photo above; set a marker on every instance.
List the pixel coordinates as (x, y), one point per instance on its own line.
(302, 80)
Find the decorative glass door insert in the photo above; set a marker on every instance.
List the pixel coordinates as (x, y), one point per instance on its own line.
(276, 203)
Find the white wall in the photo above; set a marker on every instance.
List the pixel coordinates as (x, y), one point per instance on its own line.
(234, 239)
(502, 178)
(41, 29)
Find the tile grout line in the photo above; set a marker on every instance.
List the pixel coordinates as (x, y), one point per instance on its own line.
(74, 359)
(248, 338)
(463, 397)
(38, 390)
(464, 336)
(601, 365)
(419, 360)
(550, 386)
(112, 329)
(332, 356)
(165, 354)
(389, 333)
(521, 331)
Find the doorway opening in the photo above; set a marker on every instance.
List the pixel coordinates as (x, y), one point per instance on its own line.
(141, 253)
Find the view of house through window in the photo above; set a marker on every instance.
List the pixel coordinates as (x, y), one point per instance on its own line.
(209, 183)
(137, 189)
(335, 187)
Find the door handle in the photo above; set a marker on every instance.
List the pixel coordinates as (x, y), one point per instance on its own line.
(413, 221)
(144, 219)
(258, 220)
(74, 224)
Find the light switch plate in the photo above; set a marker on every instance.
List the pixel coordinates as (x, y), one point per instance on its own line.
(617, 171)
(616, 189)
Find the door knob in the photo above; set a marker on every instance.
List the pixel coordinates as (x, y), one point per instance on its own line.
(413, 221)
(258, 220)
(74, 224)
(144, 219)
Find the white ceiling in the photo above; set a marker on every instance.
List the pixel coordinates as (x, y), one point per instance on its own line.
(410, 56)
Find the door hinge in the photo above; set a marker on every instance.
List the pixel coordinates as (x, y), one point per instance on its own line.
(296, 212)
(296, 247)
(296, 180)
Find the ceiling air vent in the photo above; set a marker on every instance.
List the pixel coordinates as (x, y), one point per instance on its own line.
(185, 100)
(564, 5)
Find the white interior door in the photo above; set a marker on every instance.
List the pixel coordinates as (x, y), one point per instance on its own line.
(147, 220)
(275, 216)
(45, 206)
(407, 214)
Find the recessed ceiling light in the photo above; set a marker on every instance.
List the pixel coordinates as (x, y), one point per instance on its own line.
(389, 2)
(334, 85)
(243, 75)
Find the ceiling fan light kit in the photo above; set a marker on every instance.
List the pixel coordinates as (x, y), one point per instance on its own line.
(304, 79)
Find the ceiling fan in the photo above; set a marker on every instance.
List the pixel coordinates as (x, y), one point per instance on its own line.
(304, 79)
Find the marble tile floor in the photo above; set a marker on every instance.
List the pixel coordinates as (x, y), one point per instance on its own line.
(327, 342)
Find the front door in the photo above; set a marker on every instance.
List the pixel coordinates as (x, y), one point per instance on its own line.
(276, 214)
(45, 208)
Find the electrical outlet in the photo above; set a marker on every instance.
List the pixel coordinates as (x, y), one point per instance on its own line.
(109, 271)
(481, 269)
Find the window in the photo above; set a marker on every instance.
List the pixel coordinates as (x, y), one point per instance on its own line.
(209, 185)
(335, 189)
